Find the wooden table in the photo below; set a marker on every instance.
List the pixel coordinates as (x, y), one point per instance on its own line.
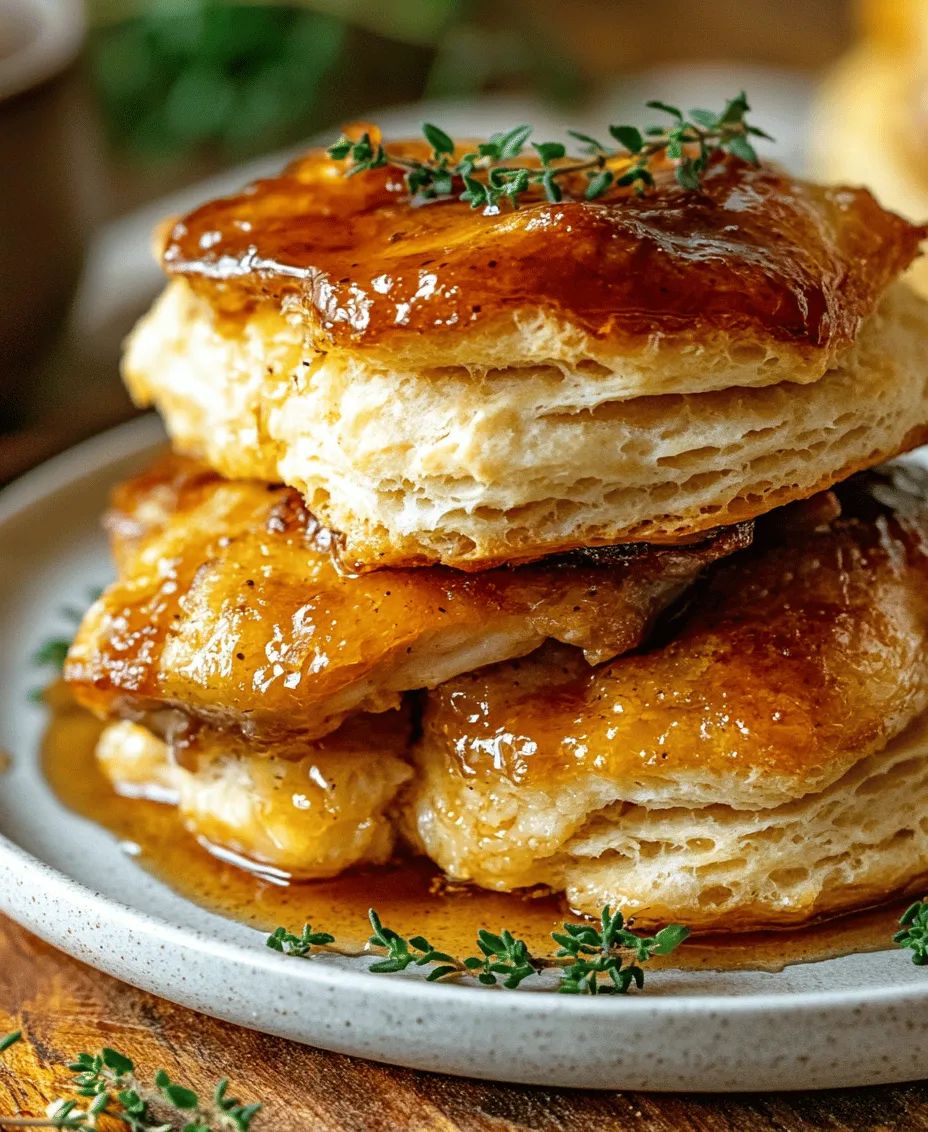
(65, 1007)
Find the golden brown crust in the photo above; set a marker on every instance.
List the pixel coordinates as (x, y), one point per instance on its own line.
(230, 609)
(803, 655)
(767, 764)
(756, 255)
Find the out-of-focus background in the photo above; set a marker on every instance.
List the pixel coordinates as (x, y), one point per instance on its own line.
(109, 107)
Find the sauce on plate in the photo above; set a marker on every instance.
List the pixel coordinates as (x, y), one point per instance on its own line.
(411, 895)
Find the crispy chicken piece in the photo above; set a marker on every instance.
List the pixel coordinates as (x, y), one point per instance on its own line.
(756, 256)
(230, 610)
(752, 770)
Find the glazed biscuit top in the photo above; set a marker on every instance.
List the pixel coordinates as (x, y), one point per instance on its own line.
(755, 254)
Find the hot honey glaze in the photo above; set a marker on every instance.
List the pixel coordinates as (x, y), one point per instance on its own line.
(411, 895)
(753, 252)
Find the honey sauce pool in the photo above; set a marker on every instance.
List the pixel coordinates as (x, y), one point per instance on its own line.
(411, 895)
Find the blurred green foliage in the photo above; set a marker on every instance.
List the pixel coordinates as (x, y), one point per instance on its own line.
(171, 79)
(470, 58)
(179, 76)
(422, 22)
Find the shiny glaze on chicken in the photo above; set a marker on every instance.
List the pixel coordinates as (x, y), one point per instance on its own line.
(802, 655)
(230, 610)
(756, 253)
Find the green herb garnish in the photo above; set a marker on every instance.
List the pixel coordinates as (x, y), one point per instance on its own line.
(108, 1082)
(598, 951)
(300, 945)
(914, 934)
(603, 958)
(492, 174)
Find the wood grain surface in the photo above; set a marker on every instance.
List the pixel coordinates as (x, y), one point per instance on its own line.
(65, 1008)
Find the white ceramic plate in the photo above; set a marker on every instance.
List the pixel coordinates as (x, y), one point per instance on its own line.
(852, 1021)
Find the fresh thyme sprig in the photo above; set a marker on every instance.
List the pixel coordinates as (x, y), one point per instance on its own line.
(500, 955)
(401, 952)
(492, 174)
(301, 945)
(599, 951)
(589, 954)
(108, 1081)
(914, 933)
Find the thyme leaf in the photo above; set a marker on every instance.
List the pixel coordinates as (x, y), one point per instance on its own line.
(53, 651)
(593, 951)
(914, 933)
(478, 178)
(603, 958)
(107, 1081)
(282, 940)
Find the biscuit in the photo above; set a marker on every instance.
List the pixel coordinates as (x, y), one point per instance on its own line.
(467, 387)
(472, 471)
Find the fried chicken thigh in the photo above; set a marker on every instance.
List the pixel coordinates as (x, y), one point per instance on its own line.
(767, 764)
(230, 611)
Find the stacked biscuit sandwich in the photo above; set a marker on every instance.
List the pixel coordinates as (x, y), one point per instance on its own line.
(537, 537)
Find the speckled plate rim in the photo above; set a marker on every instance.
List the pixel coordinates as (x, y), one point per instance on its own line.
(668, 1038)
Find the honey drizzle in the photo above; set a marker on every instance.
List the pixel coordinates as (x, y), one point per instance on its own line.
(754, 251)
(411, 895)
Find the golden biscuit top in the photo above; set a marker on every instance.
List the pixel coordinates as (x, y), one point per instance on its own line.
(755, 253)
(803, 654)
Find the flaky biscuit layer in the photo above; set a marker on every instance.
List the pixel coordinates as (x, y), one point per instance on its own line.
(424, 466)
(858, 842)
